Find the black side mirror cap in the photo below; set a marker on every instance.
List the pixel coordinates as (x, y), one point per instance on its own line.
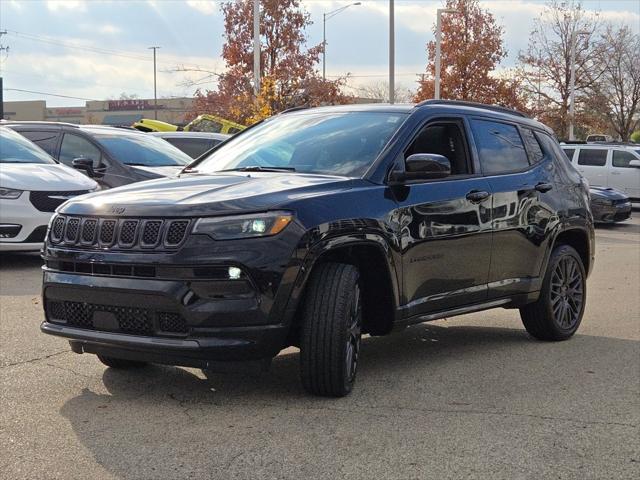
(422, 166)
(85, 164)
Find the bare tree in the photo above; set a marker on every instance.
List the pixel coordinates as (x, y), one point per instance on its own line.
(545, 66)
(380, 91)
(618, 89)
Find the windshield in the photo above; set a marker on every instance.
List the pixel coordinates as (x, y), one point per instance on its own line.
(14, 148)
(335, 143)
(143, 150)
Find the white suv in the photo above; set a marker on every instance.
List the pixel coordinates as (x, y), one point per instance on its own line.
(32, 186)
(616, 166)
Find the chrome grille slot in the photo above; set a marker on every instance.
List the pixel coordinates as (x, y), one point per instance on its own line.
(176, 232)
(71, 232)
(89, 229)
(128, 229)
(107, 232)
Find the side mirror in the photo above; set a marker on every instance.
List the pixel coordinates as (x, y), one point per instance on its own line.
(85, 164)
(423, 166)
(634, 163)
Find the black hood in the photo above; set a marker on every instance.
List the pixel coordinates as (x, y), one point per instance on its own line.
(608, 193)
(202, 195)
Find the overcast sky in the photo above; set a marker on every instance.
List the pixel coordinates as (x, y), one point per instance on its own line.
(114, 37)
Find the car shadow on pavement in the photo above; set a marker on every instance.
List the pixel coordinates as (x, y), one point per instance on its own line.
(19, 260)
(167, 422)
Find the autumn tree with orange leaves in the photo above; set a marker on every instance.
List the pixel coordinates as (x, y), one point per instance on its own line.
(471, 49)
(288, 68)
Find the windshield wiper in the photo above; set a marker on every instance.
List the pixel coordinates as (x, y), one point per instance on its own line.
(258, 168)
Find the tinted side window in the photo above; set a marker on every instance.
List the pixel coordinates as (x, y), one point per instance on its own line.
(233, 130)
(443, 139)
(499, 146)
(592, 157)
(569, 152)
(74, 146)
(622, 158)
(533, 147)
(45, 140)
(194, 147)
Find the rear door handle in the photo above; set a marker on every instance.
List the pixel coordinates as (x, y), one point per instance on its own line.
(477, 196)
(544, 187)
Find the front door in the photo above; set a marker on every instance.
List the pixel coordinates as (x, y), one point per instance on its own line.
(445, 232)
(623, 176)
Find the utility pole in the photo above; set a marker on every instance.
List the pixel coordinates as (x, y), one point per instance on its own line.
(326, 16)
(155, 89)
(439, 13)
(2, 50)
(256, 47)
(392, 54)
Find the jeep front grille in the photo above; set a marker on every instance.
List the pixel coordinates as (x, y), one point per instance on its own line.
(124, 233)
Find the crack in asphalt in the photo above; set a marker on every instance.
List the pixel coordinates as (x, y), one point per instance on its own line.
(32, 360)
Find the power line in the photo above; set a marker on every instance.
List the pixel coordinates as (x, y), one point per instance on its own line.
(51, 94)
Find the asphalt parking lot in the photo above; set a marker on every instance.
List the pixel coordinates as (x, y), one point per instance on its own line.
(471, 397)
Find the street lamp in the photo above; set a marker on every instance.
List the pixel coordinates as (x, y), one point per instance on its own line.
(572, 85)
(155, 89)
(440, 11)
(325, 17)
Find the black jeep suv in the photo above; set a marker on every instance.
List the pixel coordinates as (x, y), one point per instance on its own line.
(317, 226)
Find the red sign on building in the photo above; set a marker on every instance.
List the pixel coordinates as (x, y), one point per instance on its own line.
(133, 104)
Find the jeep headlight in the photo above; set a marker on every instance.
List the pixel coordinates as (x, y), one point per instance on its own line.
(9, 193)
(243, 226)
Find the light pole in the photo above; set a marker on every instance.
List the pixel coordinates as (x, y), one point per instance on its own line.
(392, 53)
(256, 47)
(326, 16)
(155, 89)
(572, 84)
(439, 12)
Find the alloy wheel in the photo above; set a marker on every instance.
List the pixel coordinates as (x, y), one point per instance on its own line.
(567, 292)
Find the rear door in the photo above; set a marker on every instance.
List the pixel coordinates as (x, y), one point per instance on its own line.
(520, 177)
(623, 176)
(592, 164)
(445, 225)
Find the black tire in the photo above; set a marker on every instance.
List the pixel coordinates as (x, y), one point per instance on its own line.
(331, 330)
(557, 313)
(120, 363)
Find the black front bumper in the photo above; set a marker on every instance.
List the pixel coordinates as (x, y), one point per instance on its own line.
(617, 212)
(123, 318)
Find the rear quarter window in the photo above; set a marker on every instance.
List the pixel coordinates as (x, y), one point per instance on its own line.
(569, 152)
(46, 140)
(592, 157)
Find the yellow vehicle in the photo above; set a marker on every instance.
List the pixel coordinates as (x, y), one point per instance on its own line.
(202, 123)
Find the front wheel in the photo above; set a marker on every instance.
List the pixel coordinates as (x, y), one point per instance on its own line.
(331, 330)
(557, 313)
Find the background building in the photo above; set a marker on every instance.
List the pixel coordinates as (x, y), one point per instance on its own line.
(106, 112)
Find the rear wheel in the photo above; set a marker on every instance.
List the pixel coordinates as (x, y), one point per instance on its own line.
(331, 330)
(120, 363)
(557, 313)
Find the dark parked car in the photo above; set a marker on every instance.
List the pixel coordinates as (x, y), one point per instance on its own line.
(193, 144)
(609, 205)
(316, 226)
(111, 156)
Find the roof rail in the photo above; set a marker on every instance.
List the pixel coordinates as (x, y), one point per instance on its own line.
(294, 109)
(37, 122)
(461, 103)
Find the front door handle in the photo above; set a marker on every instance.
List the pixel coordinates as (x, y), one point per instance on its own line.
(544, 187)
(477, 196)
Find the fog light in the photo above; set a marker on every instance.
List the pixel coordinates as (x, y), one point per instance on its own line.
(234, 273)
